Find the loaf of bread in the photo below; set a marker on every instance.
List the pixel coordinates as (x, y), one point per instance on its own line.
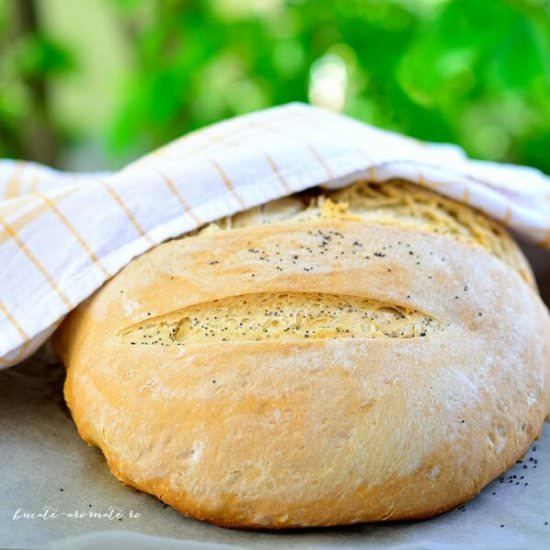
(374, 353)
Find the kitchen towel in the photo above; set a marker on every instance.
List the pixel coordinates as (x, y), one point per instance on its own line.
(62, 235)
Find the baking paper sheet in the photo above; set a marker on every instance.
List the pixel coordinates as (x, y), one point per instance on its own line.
(58, 492)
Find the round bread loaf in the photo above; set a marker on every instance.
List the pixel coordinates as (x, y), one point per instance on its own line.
(375, 353)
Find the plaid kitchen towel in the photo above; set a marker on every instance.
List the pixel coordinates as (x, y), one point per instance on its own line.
(63, 235)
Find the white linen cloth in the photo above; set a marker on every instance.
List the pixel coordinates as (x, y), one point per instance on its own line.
(63, 235)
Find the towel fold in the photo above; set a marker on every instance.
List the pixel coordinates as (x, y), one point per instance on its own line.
(62, 235)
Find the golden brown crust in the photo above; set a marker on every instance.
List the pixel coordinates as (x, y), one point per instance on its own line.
(395, 203)
(313, 432)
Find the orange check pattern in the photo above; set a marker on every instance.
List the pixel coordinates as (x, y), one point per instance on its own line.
(63, 235)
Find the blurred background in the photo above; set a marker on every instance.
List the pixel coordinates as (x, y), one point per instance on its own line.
(91, 84)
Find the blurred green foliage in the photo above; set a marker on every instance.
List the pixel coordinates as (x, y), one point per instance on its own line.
(472, 72)
(30, 61)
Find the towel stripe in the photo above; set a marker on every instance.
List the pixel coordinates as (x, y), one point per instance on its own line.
(177, 194)
(118, 199)
(36, 262)
(49, 202)
(277, 172)
(227, 182)
(320, 160)
(13, 321)
(32, 214)
(12, 187)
